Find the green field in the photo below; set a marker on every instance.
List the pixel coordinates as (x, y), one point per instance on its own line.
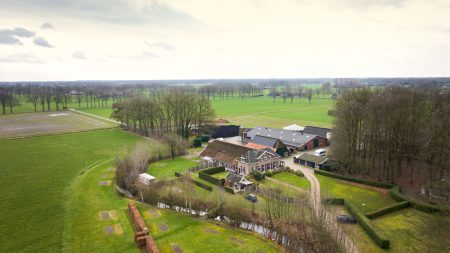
(364, 198)
(196, 235)
(166, 169)
(36, 174)
(292, 179)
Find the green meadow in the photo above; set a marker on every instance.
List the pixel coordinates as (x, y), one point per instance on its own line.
(35, 180)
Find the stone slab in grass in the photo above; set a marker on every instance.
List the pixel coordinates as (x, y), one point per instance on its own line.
(104, 183)
(176, 248)
(237, 240)
(211, 231)
(104, 215)
(163, 227)
(105, 176)
(118, 230)
(109, 230)
(152, 213)
(113, 214)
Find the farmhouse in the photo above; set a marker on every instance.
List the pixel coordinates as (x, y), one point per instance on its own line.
(241, 159)
(310, 160)
(294, 140)
(236, 182)
(145, 178)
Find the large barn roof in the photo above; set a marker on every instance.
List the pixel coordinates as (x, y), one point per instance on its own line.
(320, 131)
(224, 151)
(291, 138)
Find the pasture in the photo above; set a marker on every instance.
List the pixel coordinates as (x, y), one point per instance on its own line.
(35, 180)
(27, 124)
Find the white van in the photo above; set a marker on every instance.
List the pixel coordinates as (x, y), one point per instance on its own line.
(320, 152)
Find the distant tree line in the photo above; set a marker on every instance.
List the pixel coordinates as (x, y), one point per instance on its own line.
(395, 134)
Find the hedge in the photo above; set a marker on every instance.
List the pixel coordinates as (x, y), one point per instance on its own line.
(202, 185)
(197, 142)
(354, 179)
(387, 209)
(178, 174)
(229, 190)
(417, 204)
(213, 170)
(210, 179)
(333, 201)
(365, 224)
(205, 138)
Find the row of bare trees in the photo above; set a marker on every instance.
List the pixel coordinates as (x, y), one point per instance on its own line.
(396, 134)
(175, 109)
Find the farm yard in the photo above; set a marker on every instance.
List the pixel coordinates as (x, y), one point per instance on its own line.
(19, 125)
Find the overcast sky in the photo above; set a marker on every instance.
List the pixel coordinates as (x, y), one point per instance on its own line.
(191, 39)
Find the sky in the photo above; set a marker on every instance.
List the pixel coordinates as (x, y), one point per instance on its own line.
(54, 40)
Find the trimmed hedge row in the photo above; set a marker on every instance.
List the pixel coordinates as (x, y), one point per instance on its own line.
(417, 204)
(387, 209)
(202, 185)
(333, 201)
(213, 170)
(365, 224)
(210, 179)
(229, 190)
(178, 174)
(353, 179)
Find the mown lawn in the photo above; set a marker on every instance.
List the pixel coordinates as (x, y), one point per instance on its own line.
(84, 225)
(364, 198)
(35, 175)
(166, 169)
(195, 235)
(281, 189)
(292, 179)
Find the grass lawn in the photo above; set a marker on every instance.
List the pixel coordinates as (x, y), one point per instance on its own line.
(104, 112)
(292, 179)
(166, 169)
(281, 189)
(84, 225)
(36, 173)
(220, 175)
(365, 199)
(195, 235)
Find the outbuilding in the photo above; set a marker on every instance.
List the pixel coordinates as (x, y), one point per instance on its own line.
(145, 178)
(310, 160)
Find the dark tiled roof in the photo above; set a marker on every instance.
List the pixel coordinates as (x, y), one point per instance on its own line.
(313, 158)
(252, 156)
(235, 178)
(291, 138)
(266, 141)
(224, 151)
(320, 131)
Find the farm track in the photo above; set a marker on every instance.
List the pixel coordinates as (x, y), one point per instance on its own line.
(95, 116)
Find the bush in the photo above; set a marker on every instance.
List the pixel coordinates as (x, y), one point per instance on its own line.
(197, 142)
(229, 190)
(417, 204)
(332, 201)
(209, 178)
(269, 173)
(202, 185)
(288, 168)
(387, 209)
(258, 175)
(178, 174)
(213, 170)
(365, 224)
(299, 173)
(354, 179)
(205, 138)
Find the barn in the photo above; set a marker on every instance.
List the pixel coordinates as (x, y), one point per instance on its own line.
(310, 160)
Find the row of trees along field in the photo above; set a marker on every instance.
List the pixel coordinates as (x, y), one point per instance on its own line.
(174, 109)
(397, 134)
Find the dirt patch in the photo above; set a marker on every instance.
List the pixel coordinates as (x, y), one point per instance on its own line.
(109, 230)
(153, 213)
(221, 121)
(176, 248)
(118, 230)
(237, 240)
(211, 231)
(163, 227)
(113, 214)
(103, 183)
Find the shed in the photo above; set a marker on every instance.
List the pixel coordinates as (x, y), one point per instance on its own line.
(236, 182)
(146, 178)
(310, 160)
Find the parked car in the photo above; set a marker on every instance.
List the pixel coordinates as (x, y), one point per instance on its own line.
(251, 197)
(342, 218)
(320, 152)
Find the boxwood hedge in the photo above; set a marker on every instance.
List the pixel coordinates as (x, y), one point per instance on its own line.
(229, 190)
(354, 179)
(210, 179)
(202, 185)
(420, 205)
(387, 209)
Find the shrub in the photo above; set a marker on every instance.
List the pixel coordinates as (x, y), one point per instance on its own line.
(299, 173)
(269, 173)
(354, 179)
(258, 175)
(333, 201)
(209, 178)
(178, 174)
(365, 224)
(205, 138)
(288, 168)
(387, 209)
(229, 190)
(197, 142)
(213, 170)
(417, 204)
(202, 185)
